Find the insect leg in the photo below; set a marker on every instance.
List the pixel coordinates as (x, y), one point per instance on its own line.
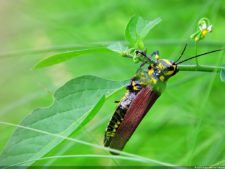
(140, 67)
(142, 64)
(143, 53)
(156, 52)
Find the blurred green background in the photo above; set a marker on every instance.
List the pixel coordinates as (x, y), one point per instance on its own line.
(184, 127)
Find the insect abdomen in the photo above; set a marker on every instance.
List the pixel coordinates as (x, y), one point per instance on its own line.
(114, 123)
(137, 110)
(133, 88)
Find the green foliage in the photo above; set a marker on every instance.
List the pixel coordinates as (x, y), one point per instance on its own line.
(75, 104)
(194, 126)
(62, 57)
(137, 29)
(118, 48)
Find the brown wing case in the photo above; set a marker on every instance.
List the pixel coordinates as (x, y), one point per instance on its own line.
(135, 113)
(118, 116)
(132, 90)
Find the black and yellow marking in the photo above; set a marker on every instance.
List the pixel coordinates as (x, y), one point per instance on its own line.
(114, 123)
(133, 88)
(161, 71)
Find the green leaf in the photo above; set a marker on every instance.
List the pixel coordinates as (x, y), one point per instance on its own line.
(118, 47)
(144, 26)
(62, 57)
(222, 75)
(75, 104)
(138, 28)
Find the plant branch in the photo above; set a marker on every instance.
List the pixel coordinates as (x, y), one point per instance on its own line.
(201, 68)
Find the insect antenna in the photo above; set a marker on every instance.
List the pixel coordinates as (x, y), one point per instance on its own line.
(182, 53)
(196, 56)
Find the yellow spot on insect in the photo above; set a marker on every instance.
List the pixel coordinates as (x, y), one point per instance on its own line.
(153, 80)
(114, 130)
(118, 122)
(125, 95)
(135, 88)
(169, 73)
(115, 126)
(166, 61)
(160, 65)
(150, 72)
(162, 78)
(112, 135)
(157, 57)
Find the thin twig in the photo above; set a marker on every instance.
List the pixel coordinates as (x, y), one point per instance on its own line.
(201, 68)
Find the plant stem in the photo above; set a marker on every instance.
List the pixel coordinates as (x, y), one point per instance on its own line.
(196, 52)
(201, 68)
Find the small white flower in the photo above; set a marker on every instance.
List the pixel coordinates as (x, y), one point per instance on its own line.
(203, 26)
(209, 28)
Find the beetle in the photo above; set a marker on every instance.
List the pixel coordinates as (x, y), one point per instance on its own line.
(142, 92)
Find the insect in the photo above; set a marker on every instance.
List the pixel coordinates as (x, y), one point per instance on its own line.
(142, 92)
